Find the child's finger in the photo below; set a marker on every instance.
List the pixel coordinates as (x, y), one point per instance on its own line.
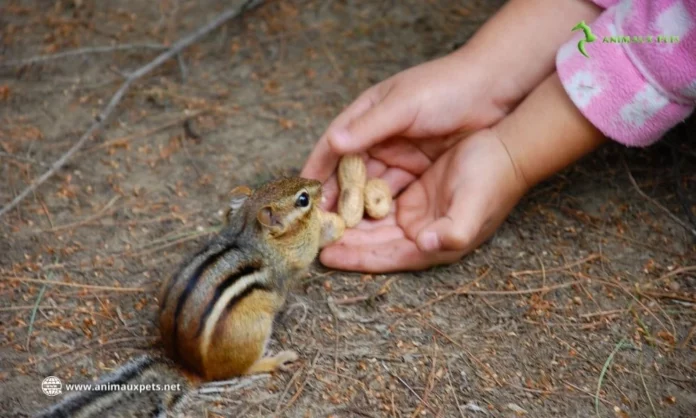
(323, 159)
(384, 119)
(402, 153)
(393, 256)
(458, 230)
(377, 232)
(397, 179)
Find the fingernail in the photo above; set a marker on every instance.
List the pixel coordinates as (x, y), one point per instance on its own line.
(340, 139)
(429, 241)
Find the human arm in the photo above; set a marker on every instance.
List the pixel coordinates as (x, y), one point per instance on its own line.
(472, 88)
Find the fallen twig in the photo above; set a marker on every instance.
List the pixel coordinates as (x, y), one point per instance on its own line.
(522, 292)
(645, 387)
(80, 285)
(231, 385)
(616, 349)
(122, 141)
(675, 272)
(24, 159)
(468, 353)
(689, 336)
(81, 51)
(410, 389)
(458, 291)
(88, 219)
(668, 295)
(587, 259)
(668, 212)
(33, 315)
(172, 52)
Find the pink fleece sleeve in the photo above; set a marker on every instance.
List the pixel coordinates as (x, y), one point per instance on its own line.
(634, 91)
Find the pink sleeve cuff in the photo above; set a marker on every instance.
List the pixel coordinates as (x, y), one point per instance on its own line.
(611, 92)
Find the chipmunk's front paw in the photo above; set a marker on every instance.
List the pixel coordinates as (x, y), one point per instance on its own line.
(284, 358)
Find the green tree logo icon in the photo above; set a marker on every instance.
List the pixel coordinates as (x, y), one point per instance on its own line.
(589, 37)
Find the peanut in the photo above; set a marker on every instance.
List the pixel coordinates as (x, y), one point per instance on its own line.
(332, 228)
(352, 175)
(378, 198)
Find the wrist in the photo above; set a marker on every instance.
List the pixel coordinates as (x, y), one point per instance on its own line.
(518, 45)
(546, 133)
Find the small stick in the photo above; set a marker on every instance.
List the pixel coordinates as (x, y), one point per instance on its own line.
(24, 159)
(287, 389)
(579, 389)
(175, 49)
(463, 288)
(645, 387)
(667, 295)
(144, 134)
(33, 314)
(82, 286)
(410, 389)
(516, 274)
(46, 212)
(81, 51)
(351, 301)
(604, 371)
(88, 219)
(677, 271)
(430, 385)
(603, 313)
(222, 386)
(172, 243)
(521, 292)
(467, 352)
(688, 337)
(669, 213)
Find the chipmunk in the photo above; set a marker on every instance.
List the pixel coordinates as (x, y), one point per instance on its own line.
(216, 313)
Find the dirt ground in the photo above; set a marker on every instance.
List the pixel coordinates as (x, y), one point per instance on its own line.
(583, 303)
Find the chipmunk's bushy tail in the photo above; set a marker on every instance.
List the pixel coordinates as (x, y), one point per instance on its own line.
(145, 387)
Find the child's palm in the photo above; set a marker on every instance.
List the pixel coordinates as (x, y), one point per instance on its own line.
(450, 209)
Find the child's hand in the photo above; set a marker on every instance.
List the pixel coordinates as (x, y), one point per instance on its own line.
(430, 101)
(455, 205)
(451, 206)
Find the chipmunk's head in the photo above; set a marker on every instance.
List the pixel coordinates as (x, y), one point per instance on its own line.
(279, 207)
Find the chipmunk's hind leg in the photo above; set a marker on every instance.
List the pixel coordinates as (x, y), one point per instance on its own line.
(271, 364)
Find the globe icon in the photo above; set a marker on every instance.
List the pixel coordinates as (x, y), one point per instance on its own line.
(51, 386)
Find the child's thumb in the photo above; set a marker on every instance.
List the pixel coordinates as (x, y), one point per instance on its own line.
(385, 119)
(445, 234)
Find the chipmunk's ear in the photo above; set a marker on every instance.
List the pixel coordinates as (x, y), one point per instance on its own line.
(238, 196)
(270, 219)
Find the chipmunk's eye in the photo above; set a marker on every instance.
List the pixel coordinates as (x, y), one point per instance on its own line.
(302, 200)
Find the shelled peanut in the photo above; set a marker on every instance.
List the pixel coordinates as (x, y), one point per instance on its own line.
(378, 198)
(352, 176)
(358, 195)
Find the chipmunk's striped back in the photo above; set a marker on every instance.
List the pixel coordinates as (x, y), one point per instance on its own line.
(195, 299)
